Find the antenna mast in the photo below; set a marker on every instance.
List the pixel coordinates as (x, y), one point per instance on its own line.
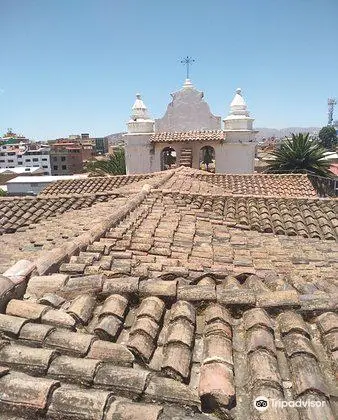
(331, 102)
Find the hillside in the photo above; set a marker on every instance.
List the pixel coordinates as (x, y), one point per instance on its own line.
(265, 132)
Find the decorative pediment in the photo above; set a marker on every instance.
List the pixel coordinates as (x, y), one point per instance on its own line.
(187, 112)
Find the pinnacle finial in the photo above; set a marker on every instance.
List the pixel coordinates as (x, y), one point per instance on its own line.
(239, 91)
(187, 83)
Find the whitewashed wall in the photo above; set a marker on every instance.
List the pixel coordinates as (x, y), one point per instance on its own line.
(235, 158)
(187, 111)
(138, 153)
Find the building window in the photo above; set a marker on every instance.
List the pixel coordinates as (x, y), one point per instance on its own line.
(35, 160)
(19, 163)
(55, 167)
(27, 160)
(10, 160)
(64, 167)
(55, 158)
(45, 159)
(63, 158)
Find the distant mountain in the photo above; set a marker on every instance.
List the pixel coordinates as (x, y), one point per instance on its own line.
(283, 132)
(116, 138)
(264, 133)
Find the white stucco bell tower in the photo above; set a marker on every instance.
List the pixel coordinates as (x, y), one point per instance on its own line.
(140, 122)
(237, 154)
(238, 124)
(137, 146)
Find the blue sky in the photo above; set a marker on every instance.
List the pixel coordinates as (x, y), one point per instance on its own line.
(72, 66)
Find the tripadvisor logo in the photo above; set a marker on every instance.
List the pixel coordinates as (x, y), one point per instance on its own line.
(261, 403)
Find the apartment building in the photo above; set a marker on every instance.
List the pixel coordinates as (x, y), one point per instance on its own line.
(18, 155)
(18, 152)
(69, 156)
(66, 158)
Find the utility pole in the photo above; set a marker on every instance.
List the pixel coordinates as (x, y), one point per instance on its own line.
(331, 102)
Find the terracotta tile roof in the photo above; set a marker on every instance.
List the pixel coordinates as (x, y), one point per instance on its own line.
(186, 136)
(297, 185)
(51, 230)
(94, 344)
(170, 307)
(252, 184)
(94, 184)
(16, 213)
(183, 183)
(311, 218)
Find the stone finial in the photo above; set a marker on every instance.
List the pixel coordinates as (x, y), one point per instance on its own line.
(140, 121)
(187, 84)
(238, 105)
(139, 109)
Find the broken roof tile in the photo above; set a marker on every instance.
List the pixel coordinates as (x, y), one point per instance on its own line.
(216, 387)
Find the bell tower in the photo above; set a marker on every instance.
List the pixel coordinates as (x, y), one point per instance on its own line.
(238, 125)
(137, 147)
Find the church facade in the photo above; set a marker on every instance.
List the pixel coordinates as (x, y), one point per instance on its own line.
(190, 135)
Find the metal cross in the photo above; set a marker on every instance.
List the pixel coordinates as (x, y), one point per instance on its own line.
(187, 61)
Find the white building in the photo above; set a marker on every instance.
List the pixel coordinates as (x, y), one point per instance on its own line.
(190, 135)
(23, 185)
(37, 158)
(9, 153)
(16, 155)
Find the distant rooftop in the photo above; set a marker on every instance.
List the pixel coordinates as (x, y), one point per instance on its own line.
(46, 178)
(20, 170)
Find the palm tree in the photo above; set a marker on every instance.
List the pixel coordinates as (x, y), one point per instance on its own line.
(115, 165)
(300, 155)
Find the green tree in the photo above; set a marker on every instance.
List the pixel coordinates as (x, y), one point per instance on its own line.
(2, 193)
(328, 137)
(299, 155)
(115, 165)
